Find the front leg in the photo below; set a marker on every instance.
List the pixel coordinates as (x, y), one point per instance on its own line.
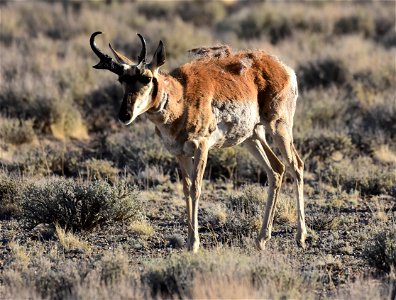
(200, 159)
(186, 166)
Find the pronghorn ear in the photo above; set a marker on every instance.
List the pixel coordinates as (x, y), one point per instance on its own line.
(120, 58)
(158, 57)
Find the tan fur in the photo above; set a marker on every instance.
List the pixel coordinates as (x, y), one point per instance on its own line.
(218, 100)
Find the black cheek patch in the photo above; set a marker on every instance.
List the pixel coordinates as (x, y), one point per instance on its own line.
(154, 92)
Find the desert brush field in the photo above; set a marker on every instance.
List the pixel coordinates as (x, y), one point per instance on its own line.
(93, 209)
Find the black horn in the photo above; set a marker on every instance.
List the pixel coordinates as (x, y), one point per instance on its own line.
(106, 62)
(143, 53)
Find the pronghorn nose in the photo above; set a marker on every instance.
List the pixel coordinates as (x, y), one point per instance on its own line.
(124, 117)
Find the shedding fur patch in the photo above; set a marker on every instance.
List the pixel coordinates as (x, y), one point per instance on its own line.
(241, 66)
(235, 120)
(211, 52)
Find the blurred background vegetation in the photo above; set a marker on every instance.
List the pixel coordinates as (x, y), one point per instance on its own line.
(58, 115)
(58, 118)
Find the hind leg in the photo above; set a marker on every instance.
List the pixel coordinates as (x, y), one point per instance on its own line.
(274, 168)
(284, 141)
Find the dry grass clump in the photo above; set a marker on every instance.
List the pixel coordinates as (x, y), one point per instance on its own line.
(69, 241)
(215, 216)
(286, 211)
(182, 275)
(152, 176)
(141, 228)
(384, 154)
(79, 205)
(21, 256)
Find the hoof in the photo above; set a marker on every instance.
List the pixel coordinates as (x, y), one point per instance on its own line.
(300, 239)
(301, 244)
(260, 244)
(193, 247)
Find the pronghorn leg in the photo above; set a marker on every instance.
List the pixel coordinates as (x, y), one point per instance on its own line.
(284, 141)
(275, 170)
(186, 166)
(200, 159)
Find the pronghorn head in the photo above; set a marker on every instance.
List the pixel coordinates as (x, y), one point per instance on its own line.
(139, 80)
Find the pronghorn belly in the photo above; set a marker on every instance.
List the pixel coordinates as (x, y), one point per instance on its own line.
(235, 122)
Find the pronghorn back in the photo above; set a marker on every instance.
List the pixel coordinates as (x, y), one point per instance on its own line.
(233, 86)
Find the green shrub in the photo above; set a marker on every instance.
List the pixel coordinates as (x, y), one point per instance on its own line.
(173, 277)
(323, 144)
(363, 175)
(138, 149)
(242, 221)
(54, 158)
(101, 107)
(56, 284)
(233, 163)
(323, 73)
(355, 24)
(16, 132)
(201, 13)
(60, 117)
(223, 161)
(261, 23)
(101, 169)
(79, 205)
(113, 267)
(380, 250)
(10, 197)
(156, 10)
(381, 117)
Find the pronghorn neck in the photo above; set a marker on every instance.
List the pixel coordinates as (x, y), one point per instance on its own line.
(160, 105)
(167, 105)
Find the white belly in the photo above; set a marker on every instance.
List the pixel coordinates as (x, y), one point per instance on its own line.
(235, 122)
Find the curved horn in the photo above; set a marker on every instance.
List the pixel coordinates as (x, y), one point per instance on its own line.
(106, 62)
(94, 48)
(143, 53)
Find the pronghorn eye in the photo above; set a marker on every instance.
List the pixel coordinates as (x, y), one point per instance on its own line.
(145, 79)
(126, 78)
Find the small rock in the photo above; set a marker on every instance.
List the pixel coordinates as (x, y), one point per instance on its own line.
(44, 232)
(176, 241)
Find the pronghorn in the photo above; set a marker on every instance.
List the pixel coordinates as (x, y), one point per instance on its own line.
(219, 100)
